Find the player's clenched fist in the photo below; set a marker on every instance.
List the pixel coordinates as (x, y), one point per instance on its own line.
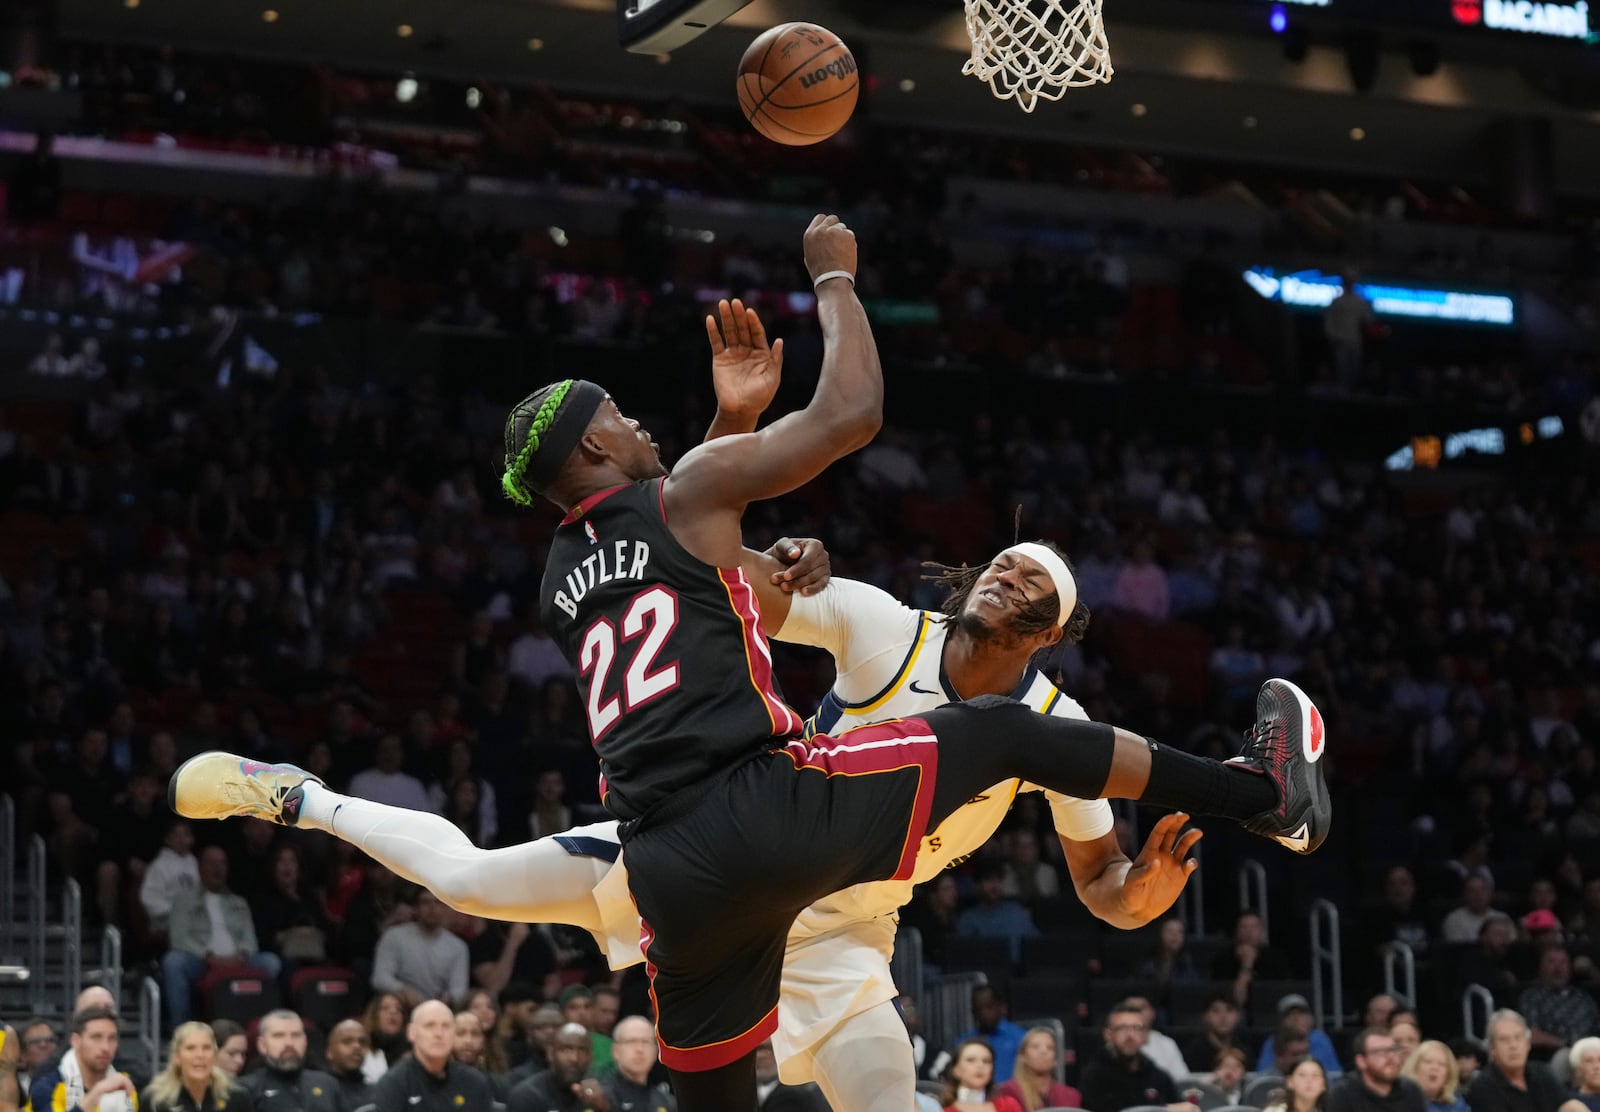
(829, 246)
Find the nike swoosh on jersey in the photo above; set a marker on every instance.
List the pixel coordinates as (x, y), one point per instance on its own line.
(920, 690)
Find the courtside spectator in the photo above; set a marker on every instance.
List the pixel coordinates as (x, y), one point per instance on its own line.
(192, 1080)
(1121, 1076)
(1295, 1021)
(345, 1054)
(421, 960)
(209, 926)
(1033, 1082)
(1510, 1082)
(1375, 1085)
(993, 1028)
(175, 869)
(431, 1080)
(84, 1079)
(577, 1006)
(283, 1083)
(568, 1085)
(233, 1046)
(633, 1045)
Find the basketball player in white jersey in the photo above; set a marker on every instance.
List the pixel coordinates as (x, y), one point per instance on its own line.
(837, 1022)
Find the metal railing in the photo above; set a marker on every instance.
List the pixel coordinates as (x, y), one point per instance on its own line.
(1327, 966)
(947, 1008)
(1403, 988)
(1253, 892)
(36, 923)
(150, 1021)
(71, 944)
(1483, 997)
(8, 878)
(109, 971)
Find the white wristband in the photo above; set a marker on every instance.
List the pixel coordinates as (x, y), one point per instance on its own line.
(821, 278)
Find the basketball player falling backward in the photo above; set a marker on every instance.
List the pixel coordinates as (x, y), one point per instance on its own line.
(733, 822)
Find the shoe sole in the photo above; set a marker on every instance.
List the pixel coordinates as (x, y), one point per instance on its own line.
(1313, 744)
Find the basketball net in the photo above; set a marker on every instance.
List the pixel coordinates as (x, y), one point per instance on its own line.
(1033, 49)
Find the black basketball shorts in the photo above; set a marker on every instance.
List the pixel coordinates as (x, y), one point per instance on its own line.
(719, 872)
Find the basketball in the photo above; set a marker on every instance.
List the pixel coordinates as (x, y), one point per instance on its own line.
(798, 84)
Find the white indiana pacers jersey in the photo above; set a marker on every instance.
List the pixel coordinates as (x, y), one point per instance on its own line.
(890, 664)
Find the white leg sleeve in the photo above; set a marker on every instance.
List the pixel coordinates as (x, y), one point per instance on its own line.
(536, 882)
(865, 1064)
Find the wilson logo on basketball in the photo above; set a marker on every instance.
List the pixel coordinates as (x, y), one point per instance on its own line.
(843, 67)
(1467, 11)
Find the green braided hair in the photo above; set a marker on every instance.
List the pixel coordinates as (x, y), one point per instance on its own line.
(543, 406)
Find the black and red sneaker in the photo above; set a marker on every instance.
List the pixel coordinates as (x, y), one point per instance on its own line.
(1286, 745)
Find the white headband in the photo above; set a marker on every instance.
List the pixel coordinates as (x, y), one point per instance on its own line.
(1056, 568)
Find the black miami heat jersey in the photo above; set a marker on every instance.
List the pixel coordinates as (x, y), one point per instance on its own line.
(673, 670)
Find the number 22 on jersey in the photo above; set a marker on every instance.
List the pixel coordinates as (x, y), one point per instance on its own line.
(652, 614)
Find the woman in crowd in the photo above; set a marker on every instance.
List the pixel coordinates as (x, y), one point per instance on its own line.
(480, 821)
(1433, 1067)
(1585, 1059)
(289, 919)
(386, 1031)
(233, 1047)
(1305, 1089)
(480, 1002)
(1033, 1081)
(969, 1086)
(192, 1081)
(1172, 962)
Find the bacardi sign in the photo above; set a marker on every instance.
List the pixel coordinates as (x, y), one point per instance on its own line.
(1532, 17)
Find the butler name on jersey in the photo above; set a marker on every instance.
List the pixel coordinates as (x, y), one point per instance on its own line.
(674, 672)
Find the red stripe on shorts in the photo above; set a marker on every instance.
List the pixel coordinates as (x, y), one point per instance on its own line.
(882, 747)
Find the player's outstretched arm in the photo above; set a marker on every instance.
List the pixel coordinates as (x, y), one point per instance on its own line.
(1130, 894)
(723, 476)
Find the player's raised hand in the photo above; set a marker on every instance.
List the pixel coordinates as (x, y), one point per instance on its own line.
(745, 369)
(829, 246)
(1158, 874)
(808, 566)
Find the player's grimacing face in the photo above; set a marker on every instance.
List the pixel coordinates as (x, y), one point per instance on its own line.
(1008, 586)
